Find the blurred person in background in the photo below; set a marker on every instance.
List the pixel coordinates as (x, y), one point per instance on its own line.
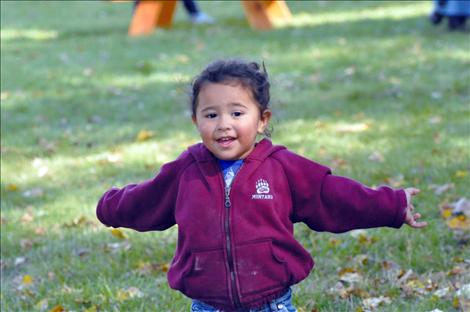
(196, 16)
(456, 11)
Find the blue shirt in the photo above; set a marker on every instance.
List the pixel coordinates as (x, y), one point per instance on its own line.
(230, 169)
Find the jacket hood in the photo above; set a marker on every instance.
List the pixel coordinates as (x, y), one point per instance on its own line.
(262, 150)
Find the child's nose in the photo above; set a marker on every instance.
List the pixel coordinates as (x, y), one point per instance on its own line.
(224, 123)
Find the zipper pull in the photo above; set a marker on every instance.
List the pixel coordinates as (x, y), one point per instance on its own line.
(227, 198)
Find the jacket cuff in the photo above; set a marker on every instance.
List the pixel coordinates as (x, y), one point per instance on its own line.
(401, 209)
(101, 212)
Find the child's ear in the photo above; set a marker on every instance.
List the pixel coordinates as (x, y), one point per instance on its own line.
(264, 120)
(194, 120)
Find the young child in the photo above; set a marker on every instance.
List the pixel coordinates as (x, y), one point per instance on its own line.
(235, 201)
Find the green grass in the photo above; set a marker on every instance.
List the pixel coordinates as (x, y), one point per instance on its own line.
(348, 79)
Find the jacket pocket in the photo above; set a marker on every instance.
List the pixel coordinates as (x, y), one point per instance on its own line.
(259, 269)
(207, 277)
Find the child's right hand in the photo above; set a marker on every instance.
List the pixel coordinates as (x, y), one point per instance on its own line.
(412, 218)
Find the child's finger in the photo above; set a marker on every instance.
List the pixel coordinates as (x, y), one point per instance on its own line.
(413, 191)
(415, 224)
(418, 225)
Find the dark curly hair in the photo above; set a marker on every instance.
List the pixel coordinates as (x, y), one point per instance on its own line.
(249, 74)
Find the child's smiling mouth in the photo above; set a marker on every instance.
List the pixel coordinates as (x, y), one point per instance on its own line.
(225, 141)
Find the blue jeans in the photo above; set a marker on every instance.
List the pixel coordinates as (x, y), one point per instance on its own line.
(281, 304)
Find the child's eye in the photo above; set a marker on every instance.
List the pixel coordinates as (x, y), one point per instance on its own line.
(211, 115)
(237, 114)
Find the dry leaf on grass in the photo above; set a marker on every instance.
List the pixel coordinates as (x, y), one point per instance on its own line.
(457, 214)
(373, 303)
(144, 135)
(118, 233)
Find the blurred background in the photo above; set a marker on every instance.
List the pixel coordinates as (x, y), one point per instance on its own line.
(372, 89)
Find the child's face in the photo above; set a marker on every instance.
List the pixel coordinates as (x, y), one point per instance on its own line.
(228, 119)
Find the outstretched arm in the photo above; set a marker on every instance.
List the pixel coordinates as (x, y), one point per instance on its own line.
(145, 206)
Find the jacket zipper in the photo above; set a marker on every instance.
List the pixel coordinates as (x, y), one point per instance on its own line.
(228, 239)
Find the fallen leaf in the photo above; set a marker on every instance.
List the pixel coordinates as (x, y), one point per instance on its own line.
(339, 289)
(57, 308)
(461, 207)
(81, 221)
(129, 293)
(20, 260)
(441, 293)
(134, 292)
(446, 212)
(458, 223)
(361, 260)
(373, 303)
(70, 290)
(414, 286)
(144, 268)
(122, 295)
(144, 135)
(351, 278)
(464, 291)
(367, 240)
(391, 271)
(12, 187)
(118, 233)
(461, 174)
(27, 279)
(344, 292)
(457, 214)
(405, 276)
(350, 275)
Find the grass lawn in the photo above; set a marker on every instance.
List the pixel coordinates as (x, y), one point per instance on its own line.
(368, 88)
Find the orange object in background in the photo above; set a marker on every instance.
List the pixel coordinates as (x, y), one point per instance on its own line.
(261, 14)
(151, 14)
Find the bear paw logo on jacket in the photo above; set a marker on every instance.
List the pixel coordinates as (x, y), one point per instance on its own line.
(262, 190)
(262, 186)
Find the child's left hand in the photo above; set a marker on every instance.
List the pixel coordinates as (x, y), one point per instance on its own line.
(412, 218)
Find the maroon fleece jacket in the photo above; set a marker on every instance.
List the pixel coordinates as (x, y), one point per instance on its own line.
(236, 247)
